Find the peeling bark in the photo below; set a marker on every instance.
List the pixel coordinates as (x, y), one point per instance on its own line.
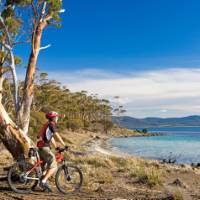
(16, 140)
(13, 138)
(24, 113)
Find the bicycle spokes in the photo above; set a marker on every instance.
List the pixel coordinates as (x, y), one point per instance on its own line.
(68, 179)
(19, 180)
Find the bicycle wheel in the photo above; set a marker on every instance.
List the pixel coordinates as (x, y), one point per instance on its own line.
(68, 179)
(19, 181)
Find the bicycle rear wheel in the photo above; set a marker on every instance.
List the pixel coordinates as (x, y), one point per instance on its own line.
(19, 181)
(68, 179)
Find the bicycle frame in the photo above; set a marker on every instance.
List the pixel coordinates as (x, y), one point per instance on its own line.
(59, 158)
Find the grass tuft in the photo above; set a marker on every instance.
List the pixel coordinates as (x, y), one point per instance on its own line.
(149, 176)
(177, 195)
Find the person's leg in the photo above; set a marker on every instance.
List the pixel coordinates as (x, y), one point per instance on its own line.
(50, 172)
(51, 166)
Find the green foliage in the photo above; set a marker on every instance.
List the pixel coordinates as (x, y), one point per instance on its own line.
(77, 110)
(21, 19)
(2, 55)
(12, 24)
(73, 124)
(36, 121)
(144, 130)
(55, 5)
(18, 60)
(8, 12)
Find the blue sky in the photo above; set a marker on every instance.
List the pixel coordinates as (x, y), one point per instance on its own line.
(138, 41)
(130, 34)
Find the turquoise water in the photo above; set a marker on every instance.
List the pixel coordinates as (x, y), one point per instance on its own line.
(183, 143)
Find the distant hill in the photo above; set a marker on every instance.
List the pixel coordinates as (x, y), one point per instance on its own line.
(131, 122)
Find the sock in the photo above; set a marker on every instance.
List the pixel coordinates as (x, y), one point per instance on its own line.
(44, 181)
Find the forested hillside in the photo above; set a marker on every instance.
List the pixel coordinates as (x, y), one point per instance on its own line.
(77, 110)
(132, 123)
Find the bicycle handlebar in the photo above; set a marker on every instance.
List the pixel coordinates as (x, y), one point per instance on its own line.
(60, 150)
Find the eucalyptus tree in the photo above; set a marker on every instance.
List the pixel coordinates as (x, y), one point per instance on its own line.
(118, 110)
(22, 19)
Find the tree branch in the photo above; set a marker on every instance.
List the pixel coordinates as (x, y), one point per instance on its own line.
(43, 12)
(45, 47)
(12, 66)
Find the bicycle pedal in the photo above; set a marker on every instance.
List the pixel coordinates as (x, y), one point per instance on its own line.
(68, 178)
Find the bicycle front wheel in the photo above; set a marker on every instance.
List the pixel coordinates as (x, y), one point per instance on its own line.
(21, 178)
(68, 179)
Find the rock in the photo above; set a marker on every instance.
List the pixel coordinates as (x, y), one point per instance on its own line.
(178, 183)
(100, 190)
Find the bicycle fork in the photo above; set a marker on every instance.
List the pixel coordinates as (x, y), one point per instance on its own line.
(67, 176)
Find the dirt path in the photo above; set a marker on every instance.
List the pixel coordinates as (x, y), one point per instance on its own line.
(101, 194)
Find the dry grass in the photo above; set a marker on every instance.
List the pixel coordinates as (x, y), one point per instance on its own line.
(177, 195)
(102, 176)
(99, 169)
(149, 176)
(94, 177)
(95, 161)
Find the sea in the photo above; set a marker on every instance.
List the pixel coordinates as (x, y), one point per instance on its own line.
(181, 144)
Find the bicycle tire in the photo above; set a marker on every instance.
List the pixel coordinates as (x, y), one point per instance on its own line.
(66, 168)
(14, 177)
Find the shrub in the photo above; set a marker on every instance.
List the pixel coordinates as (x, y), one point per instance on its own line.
(74, 124)
(149, 176)
(36, 122)
(177, 195)
(144, 130)
(102, 176)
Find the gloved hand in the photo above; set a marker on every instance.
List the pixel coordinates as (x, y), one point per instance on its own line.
(66, 147)
(58, 148)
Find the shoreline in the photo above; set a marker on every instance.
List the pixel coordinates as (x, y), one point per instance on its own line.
(101, 146)
(104, 168)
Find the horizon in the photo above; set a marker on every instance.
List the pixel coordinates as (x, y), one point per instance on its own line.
(158, 117)
(145, 52)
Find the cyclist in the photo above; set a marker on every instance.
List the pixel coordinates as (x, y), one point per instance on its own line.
(46, 137)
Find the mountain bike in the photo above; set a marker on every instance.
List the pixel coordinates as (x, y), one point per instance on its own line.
(23, 176)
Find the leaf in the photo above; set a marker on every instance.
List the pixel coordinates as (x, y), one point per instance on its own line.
(18, 60)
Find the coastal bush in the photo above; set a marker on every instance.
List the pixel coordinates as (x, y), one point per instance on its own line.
(86, 170)
(150, 176)
(93, 177)
(102, 176)
(89, 182)
(177, 195)
(74, 124)
(144, 130)
(119, 161)
(95, 161)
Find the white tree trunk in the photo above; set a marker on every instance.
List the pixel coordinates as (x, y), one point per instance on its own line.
(12, 137)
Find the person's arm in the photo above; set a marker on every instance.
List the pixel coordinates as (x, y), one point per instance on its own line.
(59, 138)
(53, 142)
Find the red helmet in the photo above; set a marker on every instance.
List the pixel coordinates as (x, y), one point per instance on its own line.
(51, 115)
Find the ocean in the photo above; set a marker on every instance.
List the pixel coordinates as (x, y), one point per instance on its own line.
(180, 143)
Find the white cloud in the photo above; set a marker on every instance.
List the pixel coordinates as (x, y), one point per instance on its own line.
(165, 93)
(163, 110)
